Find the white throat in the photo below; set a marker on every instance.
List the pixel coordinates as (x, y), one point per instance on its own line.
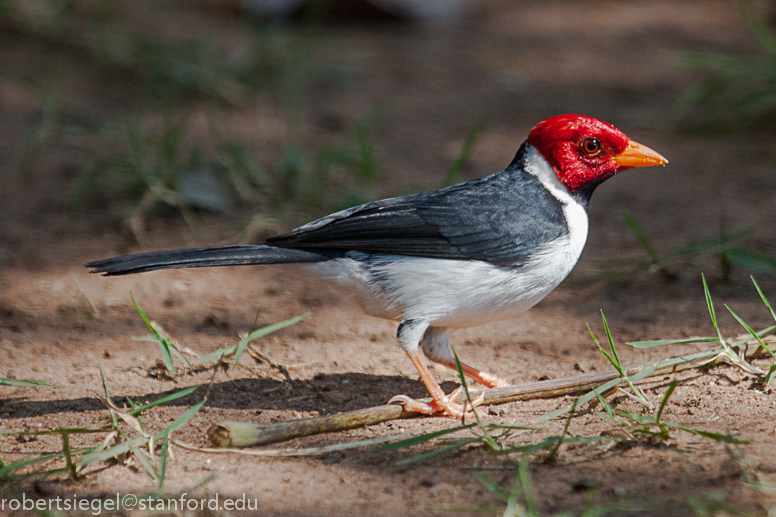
(575, 212)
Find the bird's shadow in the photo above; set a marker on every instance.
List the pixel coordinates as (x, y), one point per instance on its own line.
(325, 394)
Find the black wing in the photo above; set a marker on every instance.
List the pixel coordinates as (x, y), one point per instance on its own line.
(498, 219)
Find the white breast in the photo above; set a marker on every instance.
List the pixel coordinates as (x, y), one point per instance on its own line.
(457, 293)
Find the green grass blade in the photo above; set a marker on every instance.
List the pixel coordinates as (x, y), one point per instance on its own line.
(554, 451)
(13, 467)
(582, 400)
(764, 299)
(145, 462)
(770, 376)
(611, 345)
(749, 329)
(175, 396)
(26, 383)
(760, 333)
(643, 373)
(552, 440)
(486, 435)
(524, 479)
(725, 438)
(516, 426)
(180, 421)
(256, 334)
(182, 358)
(608, 357)
(492, 485)
(752, 261)
(213, 356)
(113, 418)
(163, 463)
(164, 346)
(664, 342)
(111, 452)
(760, 28)
(415, 440)
(607, 407)
(669, 391)
(441, 450)
(713, 314)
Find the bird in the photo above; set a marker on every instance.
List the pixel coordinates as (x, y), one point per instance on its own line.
(456, 257)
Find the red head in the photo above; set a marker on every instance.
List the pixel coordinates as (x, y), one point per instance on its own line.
(583, 149)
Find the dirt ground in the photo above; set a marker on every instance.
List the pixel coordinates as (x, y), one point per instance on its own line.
(513, 64)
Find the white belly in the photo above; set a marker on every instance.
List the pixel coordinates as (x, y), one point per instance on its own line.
(453, 293)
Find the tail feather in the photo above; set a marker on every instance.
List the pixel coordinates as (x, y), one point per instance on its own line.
(234, 255)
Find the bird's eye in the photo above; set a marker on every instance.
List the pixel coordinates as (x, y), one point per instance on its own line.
(591, 146)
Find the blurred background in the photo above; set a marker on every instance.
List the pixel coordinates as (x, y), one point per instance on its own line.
(145, 124)
(129, 125)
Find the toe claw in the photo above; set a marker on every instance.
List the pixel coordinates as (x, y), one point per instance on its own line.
(446, 404)
(412, 405)
(404, 399)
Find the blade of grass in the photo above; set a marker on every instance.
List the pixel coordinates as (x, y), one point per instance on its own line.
(486, 435)
(749, 329)
(552, 455)
(13, 467)
(111, 452)
(582, 400)
(663, 342)
(607, 407)
(615, 360)
(415, 440)
(752, 261)
(552, 440)
(492, 485)
(725, 438)
(71, 468)
(177, 395)
(712, 313)
(524, 481)
(764, 299)
(145, 462)
(113, 418)
(441, 450)
(760, 28)
(669, 391)
(256, 334)
(26, 383)
(770, 375)
(212, 356)
(134, 407)
(164, 346)
(608, 357)
(180, 421)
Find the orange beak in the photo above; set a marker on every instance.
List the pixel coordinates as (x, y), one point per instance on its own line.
(637, 155)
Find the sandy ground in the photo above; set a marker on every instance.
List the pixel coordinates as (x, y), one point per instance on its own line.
(513, 65)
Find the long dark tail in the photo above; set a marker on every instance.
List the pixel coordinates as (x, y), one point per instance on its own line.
(235, 255)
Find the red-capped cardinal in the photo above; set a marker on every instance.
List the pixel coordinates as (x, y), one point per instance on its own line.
(456, 257)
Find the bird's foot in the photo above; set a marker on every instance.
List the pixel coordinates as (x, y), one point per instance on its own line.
(445, 404)
(492, 381)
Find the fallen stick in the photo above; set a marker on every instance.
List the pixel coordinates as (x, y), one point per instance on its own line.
(245, 434)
